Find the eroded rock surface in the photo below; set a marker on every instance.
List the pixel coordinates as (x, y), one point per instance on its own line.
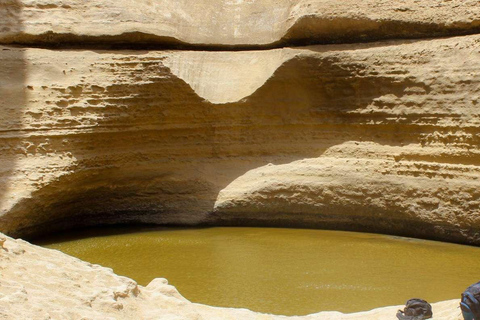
(229, 22)
(38, 283)
(377, 137)
(381, 137)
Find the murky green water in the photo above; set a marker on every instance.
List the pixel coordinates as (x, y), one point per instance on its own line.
(282, 271)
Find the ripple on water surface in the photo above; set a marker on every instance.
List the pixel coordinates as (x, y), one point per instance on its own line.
(282, 271)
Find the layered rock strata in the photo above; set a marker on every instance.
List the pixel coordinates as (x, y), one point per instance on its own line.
(229, 23)
(380, 137)
(38, 283)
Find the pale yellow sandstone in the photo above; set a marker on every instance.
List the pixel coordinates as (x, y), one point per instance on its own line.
(377, 137)
(230, 22)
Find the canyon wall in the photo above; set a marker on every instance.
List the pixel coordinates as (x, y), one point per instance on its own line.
(143, 112)
(231, 23)
(351, 115)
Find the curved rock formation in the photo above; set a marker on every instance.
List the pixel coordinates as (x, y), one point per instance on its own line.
(388, 133)
(229, 23)
(377, 137)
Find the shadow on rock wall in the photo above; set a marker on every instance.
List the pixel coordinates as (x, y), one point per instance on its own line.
(309, 30)
(161, 154)
(13, 97)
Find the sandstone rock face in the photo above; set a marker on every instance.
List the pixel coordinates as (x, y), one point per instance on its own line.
(372, 136)
(230, 22)
(380, 137)
(38, 283)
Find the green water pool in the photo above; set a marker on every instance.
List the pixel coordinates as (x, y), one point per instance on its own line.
(280, 271)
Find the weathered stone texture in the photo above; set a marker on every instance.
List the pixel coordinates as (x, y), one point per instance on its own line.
(230, 22)
(375, 136)
(381, 137)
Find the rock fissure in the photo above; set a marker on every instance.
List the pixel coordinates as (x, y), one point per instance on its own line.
(137, 41)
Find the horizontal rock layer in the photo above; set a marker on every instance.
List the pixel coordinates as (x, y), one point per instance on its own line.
(233, 23)
(381, 137)
(38, 283)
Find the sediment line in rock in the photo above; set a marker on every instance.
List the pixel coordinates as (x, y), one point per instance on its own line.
(145, 41)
